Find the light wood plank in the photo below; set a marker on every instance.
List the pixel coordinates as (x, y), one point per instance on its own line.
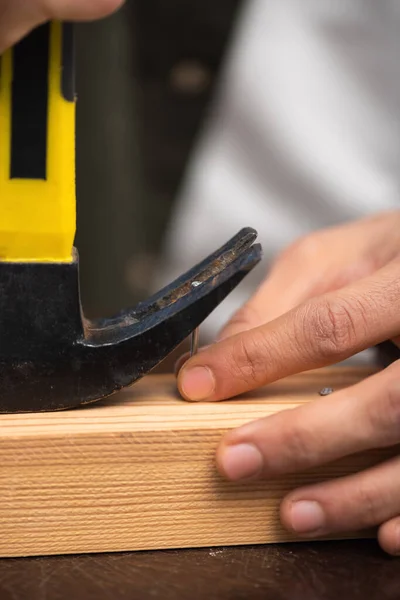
(137, 472)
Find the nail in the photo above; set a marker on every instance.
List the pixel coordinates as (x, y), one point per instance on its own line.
(184, 358)
(197, 383)
(307, 516)
(242, 461)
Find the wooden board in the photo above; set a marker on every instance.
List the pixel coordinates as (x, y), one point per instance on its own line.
(137, 472)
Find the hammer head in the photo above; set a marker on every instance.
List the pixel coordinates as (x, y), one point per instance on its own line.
(53, 358)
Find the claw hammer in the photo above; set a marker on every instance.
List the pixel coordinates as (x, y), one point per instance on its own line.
(51, 356)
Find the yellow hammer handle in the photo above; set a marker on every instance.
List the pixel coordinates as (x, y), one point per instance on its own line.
(37, 147)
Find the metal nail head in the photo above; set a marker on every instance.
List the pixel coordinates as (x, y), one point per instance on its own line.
(194, 342)
(326, 391)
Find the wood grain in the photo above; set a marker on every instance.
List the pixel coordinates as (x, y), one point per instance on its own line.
(137, 472)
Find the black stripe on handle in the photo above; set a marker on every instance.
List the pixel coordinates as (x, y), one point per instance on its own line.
(68, 62)
(29, 105)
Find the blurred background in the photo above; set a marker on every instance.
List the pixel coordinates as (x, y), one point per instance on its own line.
(196, 119)
(145, 80)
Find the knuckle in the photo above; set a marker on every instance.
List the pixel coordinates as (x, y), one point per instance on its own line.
(383, 412)
(247, 359)
(367, 498)
(299, 445)
(332, 327)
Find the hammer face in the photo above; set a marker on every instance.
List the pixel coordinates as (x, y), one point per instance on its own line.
(39, 308)
(52, 358)
(39, 327)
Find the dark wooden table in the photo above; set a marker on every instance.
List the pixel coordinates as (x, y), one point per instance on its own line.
(320, 571)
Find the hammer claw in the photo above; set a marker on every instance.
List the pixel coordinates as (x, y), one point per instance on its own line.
(52, 358)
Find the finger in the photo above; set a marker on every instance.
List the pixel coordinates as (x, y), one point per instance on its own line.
(295, 277)
(320, 332)
(389, 536)
(18, 17)
(366, 415)
(315, 264)
(278, 294)
(348, 504)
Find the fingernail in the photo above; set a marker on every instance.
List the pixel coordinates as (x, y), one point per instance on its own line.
(242, 461)
(307, 516)
(197, 383)
(396, 549)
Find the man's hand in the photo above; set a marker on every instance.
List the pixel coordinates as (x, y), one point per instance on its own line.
(330, 296)
(18, 17)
